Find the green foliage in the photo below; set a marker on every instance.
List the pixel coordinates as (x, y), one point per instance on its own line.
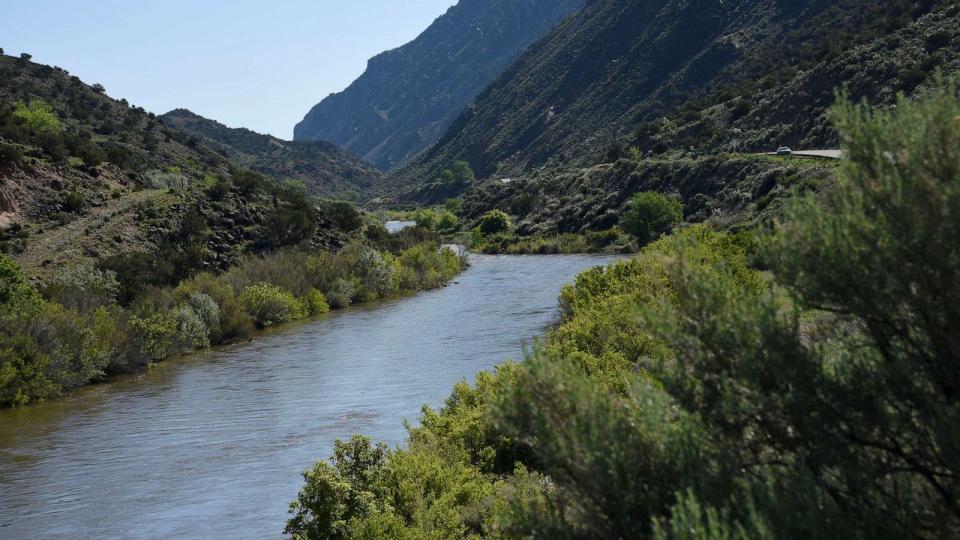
(512, 244)
(442, 221)
(83, 287)
(231, 321)
(345, 215)
(15, 291)
(341, 293)
(339, 492)
(10, 154)
(270, 305)
(38, 117)
(23, 370)
(192, 331)
(687, 395)
(82, 333)
(291, 222)
(493, 222)
(314, 303)
(459, 174)
(650, 215)
(207, 311)
(453, 205)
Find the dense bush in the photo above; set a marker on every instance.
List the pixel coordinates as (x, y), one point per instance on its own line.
(10, 154)
(38, 117)
(83, 287)
(687, 395)
(270, 304)
(650, 215)
(93, 322)
(443, 220)
(493, 222)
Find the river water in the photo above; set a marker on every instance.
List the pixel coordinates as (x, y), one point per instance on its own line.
(212, 445)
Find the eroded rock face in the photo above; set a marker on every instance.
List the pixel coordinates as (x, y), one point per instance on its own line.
(409, 96)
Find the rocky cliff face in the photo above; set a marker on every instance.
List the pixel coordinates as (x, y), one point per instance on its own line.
(408, 96)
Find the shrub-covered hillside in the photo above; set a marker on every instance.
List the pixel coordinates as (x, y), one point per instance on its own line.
(324, 168)
(675, 75)
(84, 177)
(724, 189)
(803, 383)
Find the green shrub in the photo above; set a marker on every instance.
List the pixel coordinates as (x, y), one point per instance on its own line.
(314, 303)
(10, 154)
(23, 368)
(83, 287)
(601, 240)
(292, 221)
(345, 215)
(154, 335)
(338, 492)
(38, 117)
(494, 221)
(270, 305)
(208, 311)
(15, 290)
(650, 215)
(341, 293)
(459, 174)
(192, 332)
(234, 322)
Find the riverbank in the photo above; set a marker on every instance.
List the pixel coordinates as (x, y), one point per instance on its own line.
(216, 441)
(604, 242)
(74, 330)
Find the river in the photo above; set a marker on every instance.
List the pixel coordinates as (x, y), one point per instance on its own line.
(212, 445)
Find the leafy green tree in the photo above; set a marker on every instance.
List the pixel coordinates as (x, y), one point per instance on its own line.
(650, 215)
(292, 221)
(453, 205)
(426, 218)
(460, 174)
(339, 492)
(494, 221)
(346, 215)
(38, 117)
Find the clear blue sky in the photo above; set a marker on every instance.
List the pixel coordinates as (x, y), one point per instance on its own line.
(247, 63)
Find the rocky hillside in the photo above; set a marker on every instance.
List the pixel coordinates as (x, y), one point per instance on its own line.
(408, 96)
(84, 177)
(670, 76)
(324, 168)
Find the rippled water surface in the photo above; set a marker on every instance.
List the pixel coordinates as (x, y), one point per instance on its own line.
(212, 445)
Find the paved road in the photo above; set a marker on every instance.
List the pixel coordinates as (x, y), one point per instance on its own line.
(826, 154)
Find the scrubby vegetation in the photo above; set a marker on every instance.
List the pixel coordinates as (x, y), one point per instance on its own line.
(325, 169)
(803, 384)
(651, 215)
(609, 241)
(85, 324)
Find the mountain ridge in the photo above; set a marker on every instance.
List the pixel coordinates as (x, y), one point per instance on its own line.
(407, 96)
(324, 168)
(678, 75)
